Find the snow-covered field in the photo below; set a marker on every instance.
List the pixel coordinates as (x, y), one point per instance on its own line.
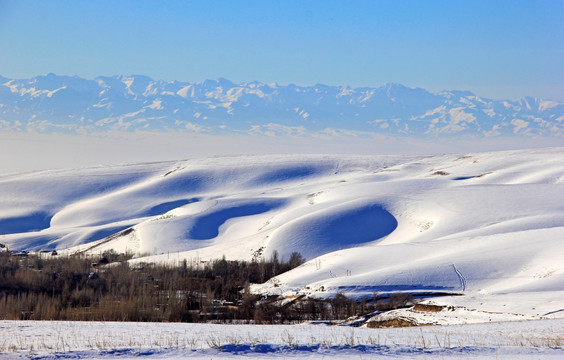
(61, 340)
(482, 233)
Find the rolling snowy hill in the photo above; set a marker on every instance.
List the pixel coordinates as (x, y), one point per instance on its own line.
(489, 226)
(66, 104)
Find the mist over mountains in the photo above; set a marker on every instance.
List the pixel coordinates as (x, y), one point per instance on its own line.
(63, 104)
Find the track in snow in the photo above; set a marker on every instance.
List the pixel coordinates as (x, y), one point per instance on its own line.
(461, 278)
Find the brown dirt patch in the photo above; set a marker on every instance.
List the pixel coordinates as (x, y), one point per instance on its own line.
(429, 307)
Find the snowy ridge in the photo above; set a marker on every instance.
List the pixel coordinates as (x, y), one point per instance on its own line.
(67, 104)
(486, 225)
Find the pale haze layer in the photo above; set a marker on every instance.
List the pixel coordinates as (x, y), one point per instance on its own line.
(30, 152)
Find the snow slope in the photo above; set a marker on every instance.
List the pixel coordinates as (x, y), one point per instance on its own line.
(486, 225)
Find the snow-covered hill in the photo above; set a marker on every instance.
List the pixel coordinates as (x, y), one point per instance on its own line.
(55, 103)
(486, 225)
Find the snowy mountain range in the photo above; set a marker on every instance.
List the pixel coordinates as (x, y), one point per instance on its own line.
(66, 104)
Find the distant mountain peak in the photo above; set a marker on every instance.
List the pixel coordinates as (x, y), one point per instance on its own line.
(393, 85)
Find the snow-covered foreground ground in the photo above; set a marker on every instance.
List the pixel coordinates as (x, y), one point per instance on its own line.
(61, 340)
(484, 229)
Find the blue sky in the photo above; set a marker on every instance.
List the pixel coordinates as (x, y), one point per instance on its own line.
(500, 49)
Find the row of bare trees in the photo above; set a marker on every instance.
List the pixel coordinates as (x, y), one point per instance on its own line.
(75, 288)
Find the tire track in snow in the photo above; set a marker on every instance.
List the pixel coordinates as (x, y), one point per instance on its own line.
(461, 278)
